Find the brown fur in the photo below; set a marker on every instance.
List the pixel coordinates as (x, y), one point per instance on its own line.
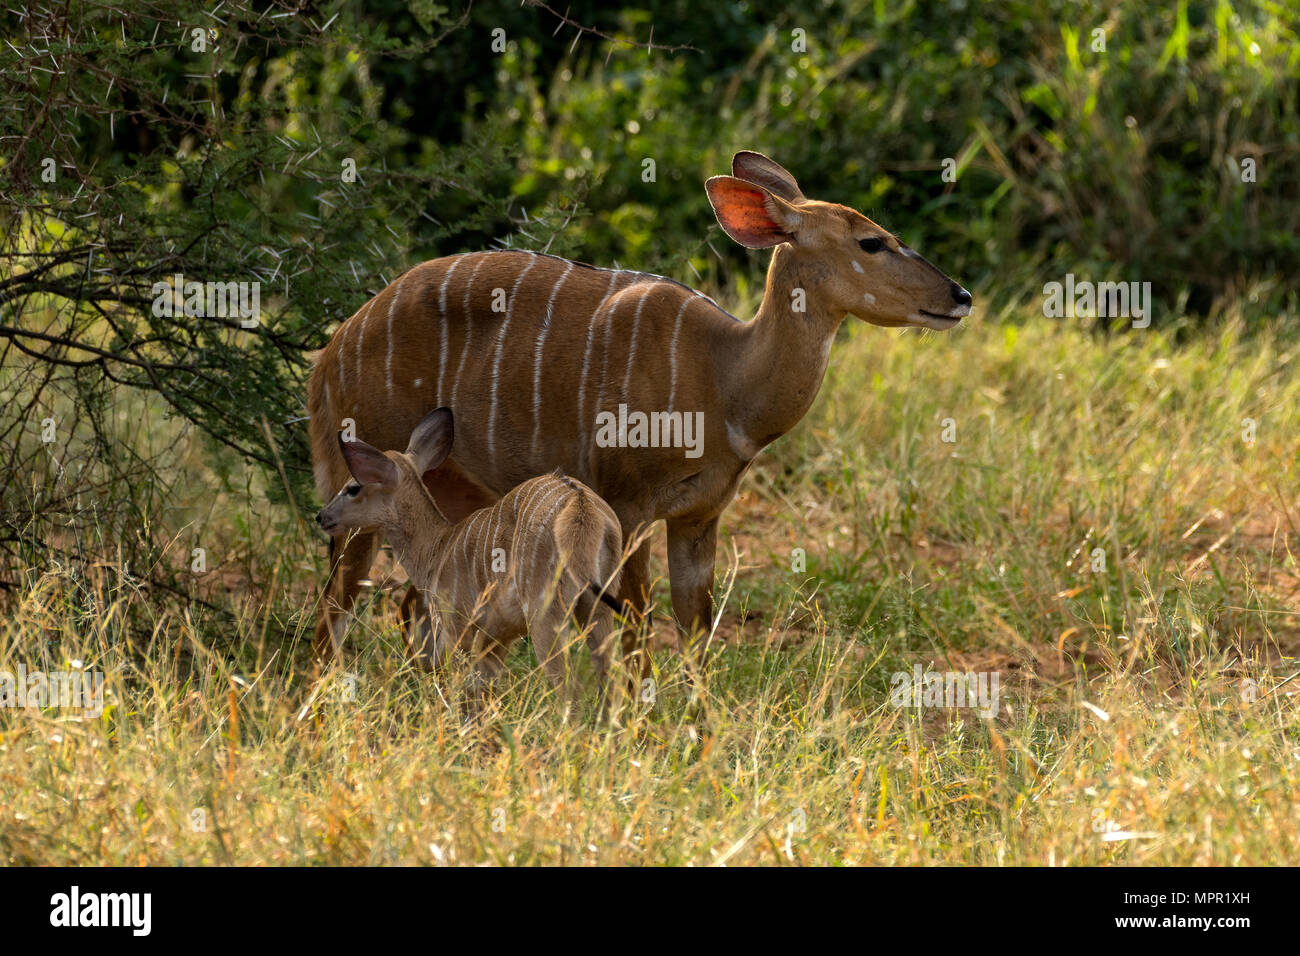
(521, 566)
(432, 338)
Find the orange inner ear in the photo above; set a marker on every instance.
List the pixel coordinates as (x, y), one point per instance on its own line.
(742, 211)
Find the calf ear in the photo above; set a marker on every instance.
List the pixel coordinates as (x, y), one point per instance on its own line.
(430, 443)
(368, 464)
(750, 214)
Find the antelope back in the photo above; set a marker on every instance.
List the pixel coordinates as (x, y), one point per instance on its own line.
(548, 531)
(526, 350)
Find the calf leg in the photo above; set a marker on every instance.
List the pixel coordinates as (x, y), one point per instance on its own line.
(600, 642)
(599, 630)
(488, 661)
(550, 631)
(426, 638)
(349, 565)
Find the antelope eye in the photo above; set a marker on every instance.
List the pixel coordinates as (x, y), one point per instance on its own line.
(874, 244)
(352, 490)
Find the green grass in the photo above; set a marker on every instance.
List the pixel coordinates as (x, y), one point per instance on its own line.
(1123, 713)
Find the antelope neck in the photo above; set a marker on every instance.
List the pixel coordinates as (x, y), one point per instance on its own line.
(419, 536)
(780, 359)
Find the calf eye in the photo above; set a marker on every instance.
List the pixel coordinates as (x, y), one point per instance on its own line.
(352, 490)
(874, 244)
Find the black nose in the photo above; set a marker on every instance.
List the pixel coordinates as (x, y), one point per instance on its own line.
(319, 520)
(960, 295)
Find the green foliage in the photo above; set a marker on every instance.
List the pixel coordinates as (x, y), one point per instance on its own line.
(1122, 164)
(157, 143)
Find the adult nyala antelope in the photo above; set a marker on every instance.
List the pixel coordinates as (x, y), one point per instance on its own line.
(527, 350)
(548, 548)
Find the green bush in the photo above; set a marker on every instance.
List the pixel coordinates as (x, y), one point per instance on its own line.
(1124, 163)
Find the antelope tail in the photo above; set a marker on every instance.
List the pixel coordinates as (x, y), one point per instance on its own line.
(624, 609)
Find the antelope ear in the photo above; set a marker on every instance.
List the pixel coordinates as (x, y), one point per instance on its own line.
(430, 443)
(368, 464)
(750, 214)
(756, 168)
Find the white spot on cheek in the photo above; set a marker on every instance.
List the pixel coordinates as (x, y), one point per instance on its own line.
(418, 382)
(858, 266)
(871, 299)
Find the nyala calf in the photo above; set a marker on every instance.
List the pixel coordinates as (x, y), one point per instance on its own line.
(547, 553)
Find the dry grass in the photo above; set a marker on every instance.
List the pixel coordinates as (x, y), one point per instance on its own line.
(1145, 715)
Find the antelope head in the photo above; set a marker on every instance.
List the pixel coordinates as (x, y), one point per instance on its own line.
(386, 490)
(852, 265)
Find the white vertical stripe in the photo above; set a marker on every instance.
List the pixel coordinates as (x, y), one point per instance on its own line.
(494, 515)
(464, 548)
(480, 581)
(464, 346)
(631, 352)
(537, 365)
(604, 359)
(342, 354)
(586, 362)
(542, 527)
(539, 490)
(444, 321)
(544, 493)
(672, 355)
(361, 333)
(497, 512)
(496, 362)
(491, 543)
(388, 366)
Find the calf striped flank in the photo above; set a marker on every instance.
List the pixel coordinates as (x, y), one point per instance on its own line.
(550, 547)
